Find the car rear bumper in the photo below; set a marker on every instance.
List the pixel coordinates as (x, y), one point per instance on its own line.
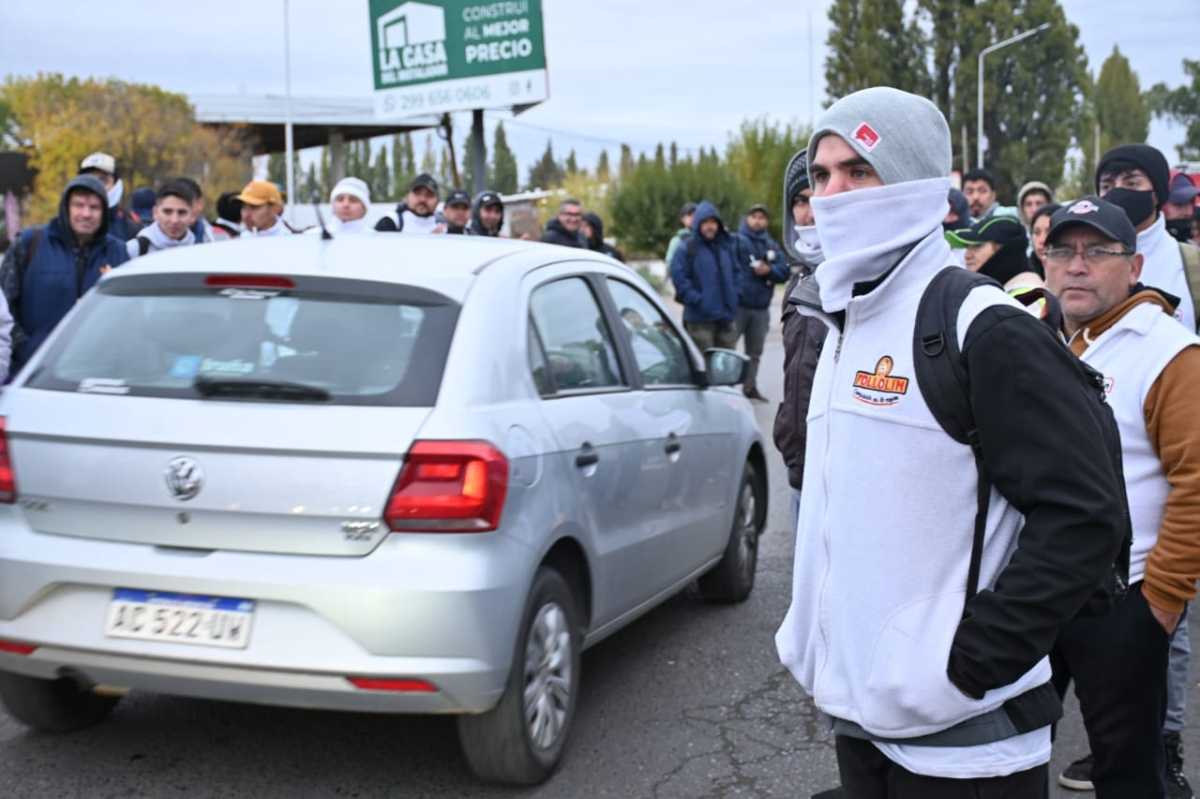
(439, 608)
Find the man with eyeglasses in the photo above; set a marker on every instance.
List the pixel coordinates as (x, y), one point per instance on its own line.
(564, 229)
(1151, 365)
(1136, 177)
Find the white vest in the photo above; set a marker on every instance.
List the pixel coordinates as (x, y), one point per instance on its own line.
(1132, 354)
(886, 523)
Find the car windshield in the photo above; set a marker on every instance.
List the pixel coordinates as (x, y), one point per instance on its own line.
(254, 346)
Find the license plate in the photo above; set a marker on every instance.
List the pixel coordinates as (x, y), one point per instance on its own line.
(179, 618)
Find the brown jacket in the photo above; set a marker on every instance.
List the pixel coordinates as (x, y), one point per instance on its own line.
(1172, 413)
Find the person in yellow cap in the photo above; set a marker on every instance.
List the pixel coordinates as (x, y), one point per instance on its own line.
(262, 205)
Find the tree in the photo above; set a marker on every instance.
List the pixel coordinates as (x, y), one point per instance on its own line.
(758, 156)
(151, 133)
(1033, 91)
(310, 188)
(602, 168)
(326, 172)
(674, 154)
(277, 169)
(871, 44)
(546, 173)
(572, 166)
(626, 165)
(468, 163)
(403, 168)
(1120, 109)
(381, 175)
(660, 158)
(429, 158)
(504, 173)
(446, 171)
(1182, 105)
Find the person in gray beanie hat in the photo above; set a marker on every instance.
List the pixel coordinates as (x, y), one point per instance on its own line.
(933, 690)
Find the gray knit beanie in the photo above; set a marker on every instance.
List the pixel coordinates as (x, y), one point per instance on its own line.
(903, 136)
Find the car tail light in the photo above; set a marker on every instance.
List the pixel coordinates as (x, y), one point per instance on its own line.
(249, 281)
(449, 486)
(389, 684)
(8, 477)
(14, 648)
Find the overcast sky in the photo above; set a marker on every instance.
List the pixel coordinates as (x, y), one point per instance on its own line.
(620, 71)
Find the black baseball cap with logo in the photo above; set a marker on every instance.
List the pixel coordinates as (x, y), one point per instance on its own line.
(424, 180)
(490, 198)
(459, 197)
(1108, 219)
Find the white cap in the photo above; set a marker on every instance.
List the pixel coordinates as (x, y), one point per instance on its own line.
(102, 161)
(355, 187)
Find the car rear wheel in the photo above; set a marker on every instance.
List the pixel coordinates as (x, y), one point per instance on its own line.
(61, 705)
(521, 740)
(732, 579)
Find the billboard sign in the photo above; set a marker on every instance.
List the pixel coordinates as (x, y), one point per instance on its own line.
(433, 56)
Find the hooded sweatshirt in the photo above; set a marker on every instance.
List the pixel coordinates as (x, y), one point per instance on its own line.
(706, 273)
(1033, 185)
(158, 240)
(1152, 366)
(877, 631)
(477, 227)
(555, 233)
(597, 243)
(46, 272)
(1163, 268)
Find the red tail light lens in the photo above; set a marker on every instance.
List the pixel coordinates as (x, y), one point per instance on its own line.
(14, 648)
(449, 486)
(8, 477)
(388, 684)
(249, 281)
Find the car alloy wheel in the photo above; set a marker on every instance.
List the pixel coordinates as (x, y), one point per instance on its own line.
(548, 676)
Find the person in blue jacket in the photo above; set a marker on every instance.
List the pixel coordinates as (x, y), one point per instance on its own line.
(706, 272)
(50, 267)
(763, 267)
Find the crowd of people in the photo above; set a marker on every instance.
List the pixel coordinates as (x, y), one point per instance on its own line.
(48, 268)
(1053, 414)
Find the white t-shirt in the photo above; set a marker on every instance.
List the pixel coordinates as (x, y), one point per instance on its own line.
(419, 224)
(997, 759)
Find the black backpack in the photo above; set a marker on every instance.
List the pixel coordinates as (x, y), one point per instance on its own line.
(942, 378)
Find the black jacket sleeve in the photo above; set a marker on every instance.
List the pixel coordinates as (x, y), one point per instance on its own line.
(803, 337)
(1042, 444)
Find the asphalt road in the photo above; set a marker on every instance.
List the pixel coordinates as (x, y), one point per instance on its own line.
(689, 702)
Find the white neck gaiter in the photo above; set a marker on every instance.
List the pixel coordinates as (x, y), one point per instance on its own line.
(115, 194)
(864, 231)
(338, 227)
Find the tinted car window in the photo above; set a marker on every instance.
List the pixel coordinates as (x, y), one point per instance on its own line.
(660, 353)
(578, 345)
(537, 362)
(358, 350)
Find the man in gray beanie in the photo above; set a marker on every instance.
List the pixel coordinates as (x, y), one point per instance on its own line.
(933, 690)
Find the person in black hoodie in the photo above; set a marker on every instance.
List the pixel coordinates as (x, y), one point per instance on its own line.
(457, 213)
(564, 228)
(593, 231)
(996, 247)
(487, 214)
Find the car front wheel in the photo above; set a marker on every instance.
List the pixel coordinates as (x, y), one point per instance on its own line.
(732, 579)
(521, 740)
(61, 705)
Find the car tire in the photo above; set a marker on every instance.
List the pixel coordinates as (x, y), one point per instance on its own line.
(60, 705)
(501, 745)
(732, 579)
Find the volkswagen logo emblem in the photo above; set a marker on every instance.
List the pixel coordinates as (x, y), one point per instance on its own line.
(184, 478)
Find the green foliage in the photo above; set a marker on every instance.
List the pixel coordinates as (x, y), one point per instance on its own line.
(572, 165)
(1120, 107)
(645, 205)
(277, 169)
(871, 44)
(758, 156)
(603, 170)
(429, 158)
(381, 175)
(468, 164)
(546, 173)
(150, 132)
(625, 165)
(504, 164)
(404, 167)
(1182, 105)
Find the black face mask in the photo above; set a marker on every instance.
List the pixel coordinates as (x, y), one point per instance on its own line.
(1137, 205)
(1180, 229)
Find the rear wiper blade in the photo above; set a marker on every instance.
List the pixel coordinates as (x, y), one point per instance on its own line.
(264, 389)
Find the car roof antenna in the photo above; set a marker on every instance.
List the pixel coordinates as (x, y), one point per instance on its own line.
(325, 234)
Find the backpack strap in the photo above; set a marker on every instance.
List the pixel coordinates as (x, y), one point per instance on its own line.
(945, 386)
(1191, 269)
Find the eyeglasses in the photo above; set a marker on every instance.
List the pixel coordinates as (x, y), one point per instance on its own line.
(571, 213)
(1092, 256)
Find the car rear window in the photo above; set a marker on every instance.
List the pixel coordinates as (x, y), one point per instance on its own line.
(357, 350)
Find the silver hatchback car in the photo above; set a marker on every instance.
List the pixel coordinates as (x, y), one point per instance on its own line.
(394, 474)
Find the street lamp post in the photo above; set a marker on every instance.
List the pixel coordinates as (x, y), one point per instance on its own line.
(991, 49)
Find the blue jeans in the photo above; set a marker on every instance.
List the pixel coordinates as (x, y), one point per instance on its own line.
(1178, 663)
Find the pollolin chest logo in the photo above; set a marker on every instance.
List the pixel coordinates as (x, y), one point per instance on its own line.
(412, 43)
(880, 388)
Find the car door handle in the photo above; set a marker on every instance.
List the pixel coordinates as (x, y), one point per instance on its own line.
(673, 444)
(587, 456)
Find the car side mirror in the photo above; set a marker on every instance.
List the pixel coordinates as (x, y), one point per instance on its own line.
(725, 367)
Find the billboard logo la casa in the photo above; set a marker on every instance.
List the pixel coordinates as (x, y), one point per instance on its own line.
(412, 43)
